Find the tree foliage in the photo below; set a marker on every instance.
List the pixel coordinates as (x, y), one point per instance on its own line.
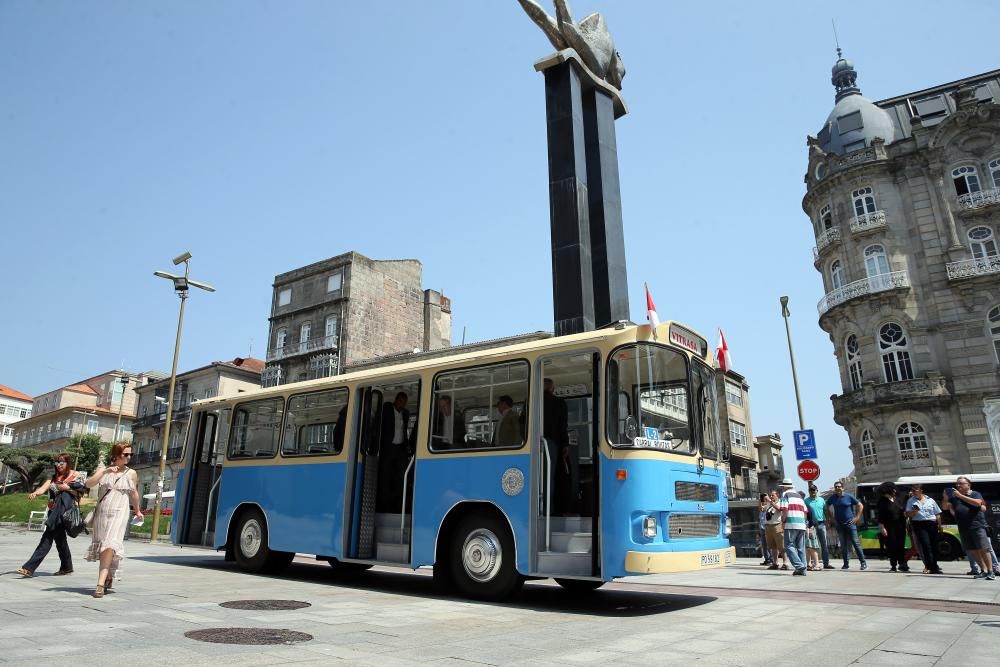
(89, 451)
(29, 464)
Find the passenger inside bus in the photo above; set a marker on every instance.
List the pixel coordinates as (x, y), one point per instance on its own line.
(508, 430)
(565, 461)
(449, 425)
(394, 453)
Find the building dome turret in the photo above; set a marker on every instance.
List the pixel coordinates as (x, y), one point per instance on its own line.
(855, 120)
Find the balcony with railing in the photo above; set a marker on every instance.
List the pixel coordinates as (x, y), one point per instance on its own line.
(974, 200)
(824, 241)
(914, 458)
(926, 391)
(868, 222)
(872, 285)
(970, 268)
(304, 347)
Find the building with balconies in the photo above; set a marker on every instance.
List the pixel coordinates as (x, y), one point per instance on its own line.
(347, 309)
(737, 433)
(904, 199)
(218, 377)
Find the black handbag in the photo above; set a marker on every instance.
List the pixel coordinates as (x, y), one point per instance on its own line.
(73, 522)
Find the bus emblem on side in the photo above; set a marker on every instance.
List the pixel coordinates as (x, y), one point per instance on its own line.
(512, 481)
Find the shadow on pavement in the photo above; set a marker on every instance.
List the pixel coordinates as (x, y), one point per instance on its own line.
(538, 595)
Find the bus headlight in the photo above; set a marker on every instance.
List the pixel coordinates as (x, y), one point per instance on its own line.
(729, 526)
(649, 527)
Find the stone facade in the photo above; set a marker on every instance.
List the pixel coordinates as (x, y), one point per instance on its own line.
(907, 231)
(349, 308)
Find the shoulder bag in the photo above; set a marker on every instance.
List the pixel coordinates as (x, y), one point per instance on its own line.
(72, 521)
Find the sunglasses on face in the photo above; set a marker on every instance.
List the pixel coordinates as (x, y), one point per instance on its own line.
(60, 463)
(127, 454)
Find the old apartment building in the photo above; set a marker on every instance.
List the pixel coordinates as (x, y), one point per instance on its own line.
(347, 309)
(903, 196)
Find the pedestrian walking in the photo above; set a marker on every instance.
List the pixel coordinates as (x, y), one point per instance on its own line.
(969, 509)
(64, 488)
(925, 520)
(765, 552)
(892, 527)
(795, 522)
(116, 487)
(775, 535)
(817, 509)
(846, 511)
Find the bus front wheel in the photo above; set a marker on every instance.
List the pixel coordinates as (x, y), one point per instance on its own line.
(949, 548)
(482, 559)
(252, 551)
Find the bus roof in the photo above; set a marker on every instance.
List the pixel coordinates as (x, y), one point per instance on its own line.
(663, 333)
(939, 479)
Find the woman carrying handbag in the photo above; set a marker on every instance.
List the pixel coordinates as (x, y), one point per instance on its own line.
(64, 489)
(116, 487)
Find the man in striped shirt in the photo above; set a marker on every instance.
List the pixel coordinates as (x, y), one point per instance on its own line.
(793, 514)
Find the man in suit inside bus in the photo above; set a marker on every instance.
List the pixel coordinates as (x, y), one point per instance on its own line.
(393, 454)
(564, 459)
(449, 426)
(508, 430)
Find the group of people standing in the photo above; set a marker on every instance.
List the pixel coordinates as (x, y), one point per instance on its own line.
(795, 526)
(116, 486)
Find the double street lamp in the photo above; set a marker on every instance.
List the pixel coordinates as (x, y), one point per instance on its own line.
(181, 286)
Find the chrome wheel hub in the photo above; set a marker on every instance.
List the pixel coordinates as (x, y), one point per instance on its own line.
(250, 538)
(481, 555)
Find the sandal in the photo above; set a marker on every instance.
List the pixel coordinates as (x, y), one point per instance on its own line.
(99, 591)
(25, 573)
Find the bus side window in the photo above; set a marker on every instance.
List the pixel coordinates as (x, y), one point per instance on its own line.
(471, 408)
(314, 423)
(256, 429)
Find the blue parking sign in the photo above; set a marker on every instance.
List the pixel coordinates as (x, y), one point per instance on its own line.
(805, 444)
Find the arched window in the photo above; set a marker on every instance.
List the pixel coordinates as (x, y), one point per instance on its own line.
(864, 202)
(912, 442)
(966, 180)
(981, 242)
(854, 361)
(995, 172)
(869, 457)
(826, 216)
(994, 324)
(279, 339)
(895, 355)
(877, 268)
(836, 274)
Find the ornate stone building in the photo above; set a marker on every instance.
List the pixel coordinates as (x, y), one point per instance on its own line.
(904, 198)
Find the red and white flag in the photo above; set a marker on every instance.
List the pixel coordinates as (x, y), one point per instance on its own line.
(654, 319)
(722, 354)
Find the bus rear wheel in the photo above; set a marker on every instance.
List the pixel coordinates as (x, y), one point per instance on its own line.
(252, 551)
(482, 559)
(579, 585)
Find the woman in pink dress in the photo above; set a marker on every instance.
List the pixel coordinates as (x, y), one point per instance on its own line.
(116, 486)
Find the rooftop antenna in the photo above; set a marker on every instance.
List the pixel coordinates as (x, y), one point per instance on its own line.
(836, 39)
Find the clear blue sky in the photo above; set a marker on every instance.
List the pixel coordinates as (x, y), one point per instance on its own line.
(263, 136)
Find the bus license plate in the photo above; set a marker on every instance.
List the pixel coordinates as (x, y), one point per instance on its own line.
(710, 559)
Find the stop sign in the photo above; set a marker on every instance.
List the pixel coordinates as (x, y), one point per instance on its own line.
(808, 471)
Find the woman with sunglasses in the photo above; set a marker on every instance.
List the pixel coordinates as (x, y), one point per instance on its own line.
(116, 487)
(64, 489)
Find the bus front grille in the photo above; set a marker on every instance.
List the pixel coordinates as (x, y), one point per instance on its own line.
(693, 525)
(696, 492)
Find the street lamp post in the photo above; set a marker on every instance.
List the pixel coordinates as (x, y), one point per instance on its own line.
(121, 403)
(181, 286)
(791, 356)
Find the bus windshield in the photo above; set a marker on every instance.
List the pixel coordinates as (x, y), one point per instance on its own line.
(649, 404)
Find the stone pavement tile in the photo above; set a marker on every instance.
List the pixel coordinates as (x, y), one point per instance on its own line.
(878, 657)
(702, 646)
(979, 644)
(587, 657)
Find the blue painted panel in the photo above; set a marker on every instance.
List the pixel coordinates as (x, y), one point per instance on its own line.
(442, 482)
(304, 504)
(649, 490)
(180, 505)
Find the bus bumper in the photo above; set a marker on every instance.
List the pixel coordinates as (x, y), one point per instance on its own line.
(647, 562)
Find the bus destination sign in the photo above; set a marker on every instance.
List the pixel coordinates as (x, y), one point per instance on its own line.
(691, 342)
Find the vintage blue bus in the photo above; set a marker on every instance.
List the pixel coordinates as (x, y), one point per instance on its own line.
(582, 458)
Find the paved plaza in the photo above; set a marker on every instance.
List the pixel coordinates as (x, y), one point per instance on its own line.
(743, 615)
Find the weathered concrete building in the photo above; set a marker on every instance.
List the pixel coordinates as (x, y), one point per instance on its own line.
(904, 199)
(347, 309)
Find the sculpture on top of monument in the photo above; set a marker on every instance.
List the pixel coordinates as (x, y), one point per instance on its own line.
(589, 38)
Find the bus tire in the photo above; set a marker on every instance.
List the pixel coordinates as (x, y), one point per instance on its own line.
(949, 548)
(482, 558)
(579, 585)
(250, 545)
